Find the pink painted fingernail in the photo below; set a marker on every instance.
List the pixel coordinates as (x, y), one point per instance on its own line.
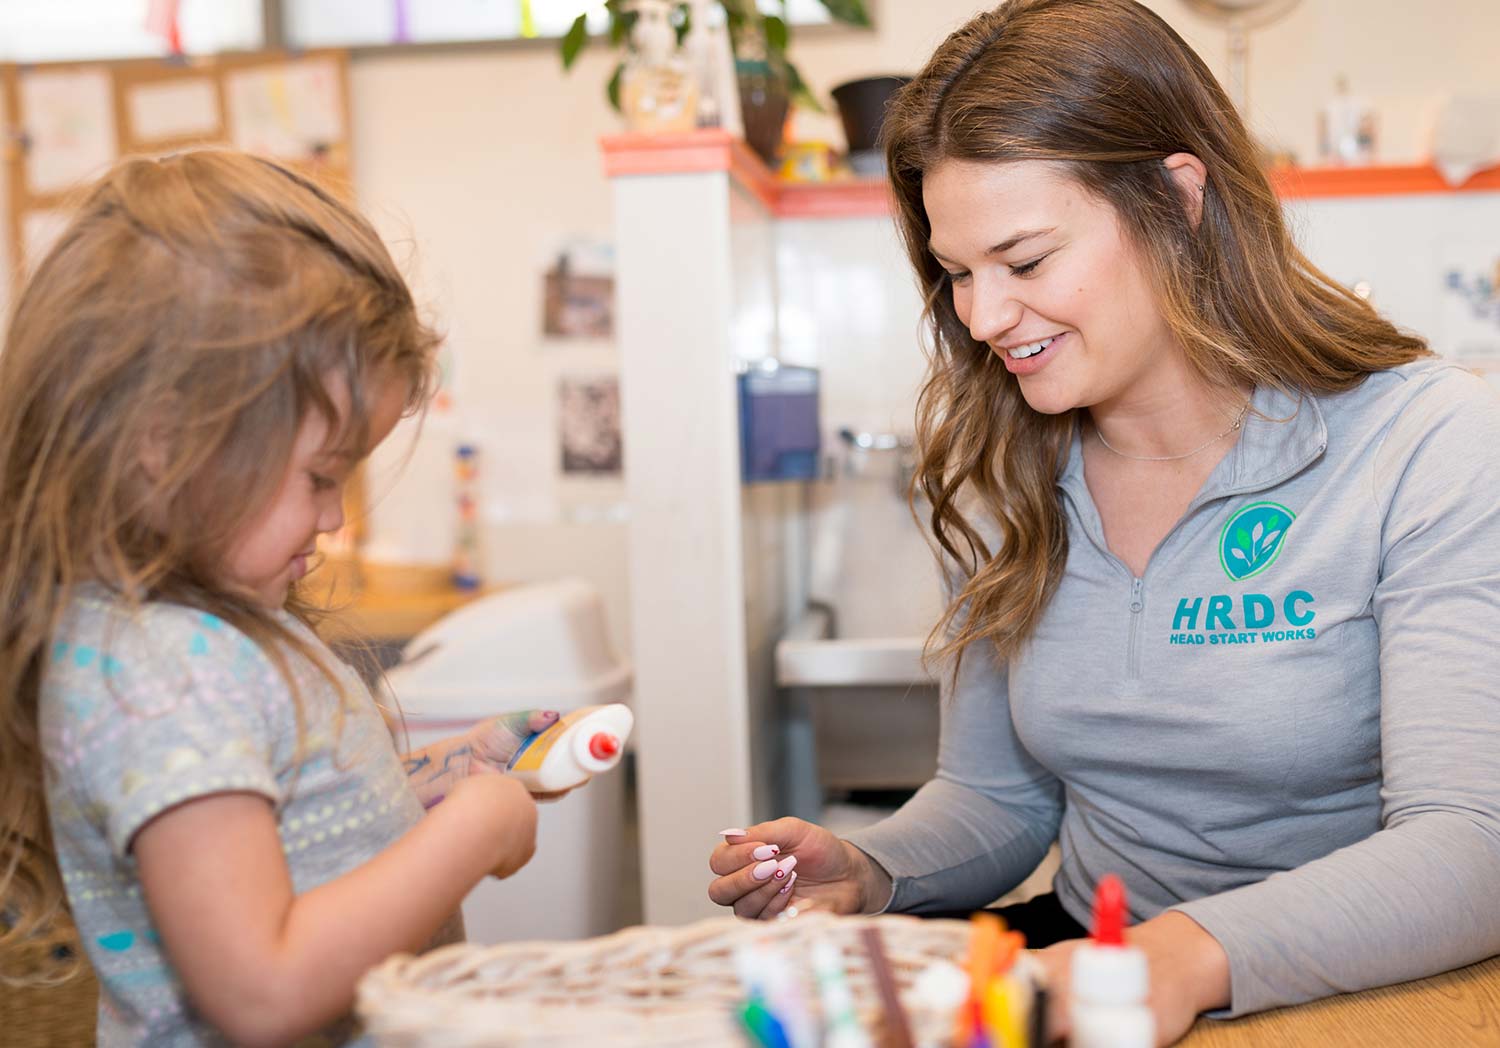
(731, 833)
(764, 870)
(765, 851)
(784, 867)
(789, 882)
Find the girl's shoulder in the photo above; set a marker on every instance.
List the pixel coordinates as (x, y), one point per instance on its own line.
(101, 632)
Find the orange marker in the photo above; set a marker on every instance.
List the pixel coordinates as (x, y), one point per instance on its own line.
(985, 934)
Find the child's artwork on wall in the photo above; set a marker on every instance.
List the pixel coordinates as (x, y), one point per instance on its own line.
(589, 425)
(291, 110)
(69, 127)
(186, 107)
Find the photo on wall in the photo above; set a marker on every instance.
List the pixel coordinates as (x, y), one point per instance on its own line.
(589, 425)
(577, 305)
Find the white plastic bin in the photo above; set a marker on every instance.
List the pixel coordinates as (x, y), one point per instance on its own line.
(540, 646)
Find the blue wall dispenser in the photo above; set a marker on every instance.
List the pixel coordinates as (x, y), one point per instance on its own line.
(779, 432)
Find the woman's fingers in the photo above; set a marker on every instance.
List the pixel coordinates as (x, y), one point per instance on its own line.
(781, 900)
(727, 858)
(750, 887)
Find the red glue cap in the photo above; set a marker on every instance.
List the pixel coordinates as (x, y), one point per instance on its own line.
(1109, 911)
(603, 746)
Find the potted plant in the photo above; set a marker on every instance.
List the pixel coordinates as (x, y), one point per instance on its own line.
(769, 82)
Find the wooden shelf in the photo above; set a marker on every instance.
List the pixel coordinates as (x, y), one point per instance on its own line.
(714, 150)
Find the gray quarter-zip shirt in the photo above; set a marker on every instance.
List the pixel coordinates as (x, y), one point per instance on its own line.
(1288, 728)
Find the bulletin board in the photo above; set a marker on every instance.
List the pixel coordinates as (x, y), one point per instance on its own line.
(67, 122)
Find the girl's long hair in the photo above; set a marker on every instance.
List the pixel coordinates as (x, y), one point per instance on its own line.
(1107, 89)
(193, 312)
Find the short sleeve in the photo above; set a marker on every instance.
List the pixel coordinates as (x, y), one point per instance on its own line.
(148, 711)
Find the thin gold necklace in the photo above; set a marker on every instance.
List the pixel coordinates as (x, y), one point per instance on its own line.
(1239, 420)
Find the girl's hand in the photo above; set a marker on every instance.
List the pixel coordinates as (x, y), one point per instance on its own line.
(493, 742)
(1189, 974)
(505, 800)
(758, 868)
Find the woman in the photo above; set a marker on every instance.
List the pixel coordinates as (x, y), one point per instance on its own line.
(1219, 542)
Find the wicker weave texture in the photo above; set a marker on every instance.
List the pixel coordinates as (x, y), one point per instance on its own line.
(643, 987)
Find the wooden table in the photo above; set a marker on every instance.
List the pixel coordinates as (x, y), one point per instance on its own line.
(1455, 1010)
(383, 602)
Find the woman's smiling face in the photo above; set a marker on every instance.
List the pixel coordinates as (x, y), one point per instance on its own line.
(1043, 273)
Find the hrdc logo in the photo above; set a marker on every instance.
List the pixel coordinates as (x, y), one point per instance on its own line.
(1250, 542)
(1252, 539)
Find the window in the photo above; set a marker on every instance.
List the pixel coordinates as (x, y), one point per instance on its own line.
(87, 30)
(68, 30)
(366, 23)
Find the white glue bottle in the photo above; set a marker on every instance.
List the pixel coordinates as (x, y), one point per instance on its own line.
(1109, 981)
(578, 746)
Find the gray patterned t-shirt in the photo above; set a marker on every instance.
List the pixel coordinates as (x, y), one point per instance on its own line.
(146, 710)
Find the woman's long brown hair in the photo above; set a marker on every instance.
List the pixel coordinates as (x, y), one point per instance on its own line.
(193, 312)
(1107, 89)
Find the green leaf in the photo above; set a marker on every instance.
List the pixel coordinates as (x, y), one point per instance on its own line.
(613, 88)
(1242, 538)
(573, 41)
(777, 34)
(850, 12)
(620, 24)
(800, 93)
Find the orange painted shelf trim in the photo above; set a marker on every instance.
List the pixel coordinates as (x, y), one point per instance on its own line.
(700, 152)
(1297, 183)
(697, 152)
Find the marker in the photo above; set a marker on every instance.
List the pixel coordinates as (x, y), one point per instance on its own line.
(1002, 1013)
(897, 1030)
(840, 1025)
(765, 974)
(984, 950)
(764, 1027)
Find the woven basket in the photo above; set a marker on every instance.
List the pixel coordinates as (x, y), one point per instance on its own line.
(640, 988)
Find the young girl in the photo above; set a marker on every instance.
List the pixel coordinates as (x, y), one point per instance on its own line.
(188, 380)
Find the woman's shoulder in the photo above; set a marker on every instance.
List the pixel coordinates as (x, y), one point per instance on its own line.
(1416, 400)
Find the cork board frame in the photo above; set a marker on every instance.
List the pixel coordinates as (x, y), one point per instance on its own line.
(138, 109)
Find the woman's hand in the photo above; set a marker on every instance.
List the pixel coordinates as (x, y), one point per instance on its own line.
(758, 867)
(1189, 974)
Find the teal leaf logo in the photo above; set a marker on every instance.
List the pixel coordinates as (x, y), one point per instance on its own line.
(1252, 539)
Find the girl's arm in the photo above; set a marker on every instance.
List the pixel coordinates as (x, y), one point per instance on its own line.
(435, 769)
(267, 966)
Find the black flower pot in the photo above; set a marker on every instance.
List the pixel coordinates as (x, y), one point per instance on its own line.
(862, 105)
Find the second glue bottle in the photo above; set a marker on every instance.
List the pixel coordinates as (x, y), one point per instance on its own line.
(1109, 980)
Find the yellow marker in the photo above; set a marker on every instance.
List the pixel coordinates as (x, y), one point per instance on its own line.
(1004, 1014)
